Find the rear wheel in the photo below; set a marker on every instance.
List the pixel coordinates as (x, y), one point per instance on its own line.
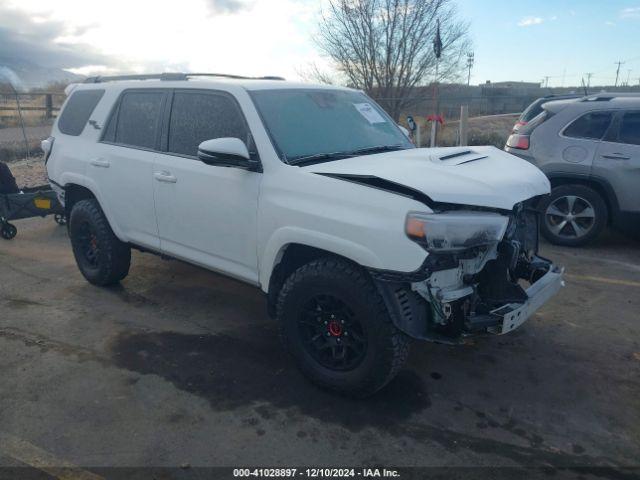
(101, 257)
(573, 215)
(336, 325)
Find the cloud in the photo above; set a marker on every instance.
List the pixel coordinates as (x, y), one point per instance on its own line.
(529, 21)
(609, 23)
(42, 41)
(631, 12)
(226, 6)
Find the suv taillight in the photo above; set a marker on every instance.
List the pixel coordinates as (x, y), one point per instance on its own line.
(518, 141)
(47, 146)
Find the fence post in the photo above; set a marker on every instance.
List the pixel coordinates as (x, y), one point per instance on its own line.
(433, 133)
(48, 106)
(464, 125)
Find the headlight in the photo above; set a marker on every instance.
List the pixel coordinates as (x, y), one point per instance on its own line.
(455, 231)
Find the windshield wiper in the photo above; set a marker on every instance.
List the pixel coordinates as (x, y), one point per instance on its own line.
(318, 157)
(377, 149)
(327, 157)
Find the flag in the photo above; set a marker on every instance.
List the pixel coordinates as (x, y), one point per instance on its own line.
(437, 42)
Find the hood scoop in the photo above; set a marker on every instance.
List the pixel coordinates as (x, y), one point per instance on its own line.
(458, 158)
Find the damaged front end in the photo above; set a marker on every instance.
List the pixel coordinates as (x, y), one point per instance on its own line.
(483, 274)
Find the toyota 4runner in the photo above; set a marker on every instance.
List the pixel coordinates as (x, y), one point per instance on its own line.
(313, 194)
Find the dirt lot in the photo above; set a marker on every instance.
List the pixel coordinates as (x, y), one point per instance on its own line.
(181, 366)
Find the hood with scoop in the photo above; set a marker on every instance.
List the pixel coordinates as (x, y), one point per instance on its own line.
(478, 176)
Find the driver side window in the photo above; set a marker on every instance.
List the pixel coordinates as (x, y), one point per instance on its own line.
(197, 116)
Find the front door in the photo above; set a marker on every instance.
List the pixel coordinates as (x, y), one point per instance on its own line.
(206, 214)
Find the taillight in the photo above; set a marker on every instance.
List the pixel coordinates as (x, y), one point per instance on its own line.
(47, 146)
(519, 124)
(518, 141)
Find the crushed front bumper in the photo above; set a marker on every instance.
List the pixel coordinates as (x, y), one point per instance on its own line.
(511, 316)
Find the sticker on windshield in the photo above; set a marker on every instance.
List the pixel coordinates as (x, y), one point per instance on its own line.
(370, 113)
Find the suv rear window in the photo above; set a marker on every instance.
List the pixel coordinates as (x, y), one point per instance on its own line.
(138, 119)
(630, 129)
(77, 111)
(196, 117)
(592, 125)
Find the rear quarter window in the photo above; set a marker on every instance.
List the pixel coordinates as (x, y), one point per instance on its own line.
(592, 126)
(77, 111)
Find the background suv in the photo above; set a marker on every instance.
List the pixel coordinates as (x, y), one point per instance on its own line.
(590, 150)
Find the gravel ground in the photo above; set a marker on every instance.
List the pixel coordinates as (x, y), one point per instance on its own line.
(29, 173)
(180, 366)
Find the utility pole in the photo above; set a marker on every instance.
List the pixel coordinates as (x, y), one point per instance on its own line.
(589, 75)
(628, 76)
(546, 81)
(470, 60)
(619, 63)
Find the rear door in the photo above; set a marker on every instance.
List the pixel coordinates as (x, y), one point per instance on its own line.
(206, 214)
(123, 168)
(582, 138)
(618, 160)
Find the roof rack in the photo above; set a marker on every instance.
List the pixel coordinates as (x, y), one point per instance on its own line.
(172, 76)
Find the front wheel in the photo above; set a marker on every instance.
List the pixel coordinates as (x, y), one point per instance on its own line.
(336, 325)
(573, 215)
(101, 257)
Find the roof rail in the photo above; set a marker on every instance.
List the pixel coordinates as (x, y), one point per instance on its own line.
(172, 76)
(605, 96)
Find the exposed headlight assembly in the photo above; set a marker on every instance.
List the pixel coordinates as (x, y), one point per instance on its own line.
(455, 231)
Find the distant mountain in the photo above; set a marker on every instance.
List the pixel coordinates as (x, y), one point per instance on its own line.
(26, 75)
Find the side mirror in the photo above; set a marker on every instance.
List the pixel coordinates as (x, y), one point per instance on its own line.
(226, 152)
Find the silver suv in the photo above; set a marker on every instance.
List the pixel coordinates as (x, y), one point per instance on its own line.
(590, 150)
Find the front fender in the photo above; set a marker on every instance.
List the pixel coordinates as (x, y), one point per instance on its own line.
(281, 238)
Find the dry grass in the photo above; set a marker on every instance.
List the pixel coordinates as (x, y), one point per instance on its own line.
(482, 131)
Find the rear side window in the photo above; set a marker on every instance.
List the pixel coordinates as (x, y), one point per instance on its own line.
(591, 126)
(77, 111)
(138, 119)
(630, 128)
(196, 117)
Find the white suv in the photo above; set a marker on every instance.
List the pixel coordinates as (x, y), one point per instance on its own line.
(312, 194)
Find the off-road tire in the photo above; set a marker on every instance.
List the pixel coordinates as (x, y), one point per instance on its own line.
(113, 257)
(387, 347)
(590, 195)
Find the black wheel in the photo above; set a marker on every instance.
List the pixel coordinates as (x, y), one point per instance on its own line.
(101, 257)
(573, 215)
(336, 325)
(60, 219)
(8, 231)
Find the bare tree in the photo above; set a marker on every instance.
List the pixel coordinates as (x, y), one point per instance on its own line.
(385, 47)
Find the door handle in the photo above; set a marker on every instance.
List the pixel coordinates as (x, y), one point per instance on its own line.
(616, 156)
(100, 162)
(165, 177)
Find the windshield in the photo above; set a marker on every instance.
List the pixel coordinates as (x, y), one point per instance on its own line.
(322, 125)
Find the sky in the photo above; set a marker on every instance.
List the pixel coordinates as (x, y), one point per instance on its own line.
(521, 41)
